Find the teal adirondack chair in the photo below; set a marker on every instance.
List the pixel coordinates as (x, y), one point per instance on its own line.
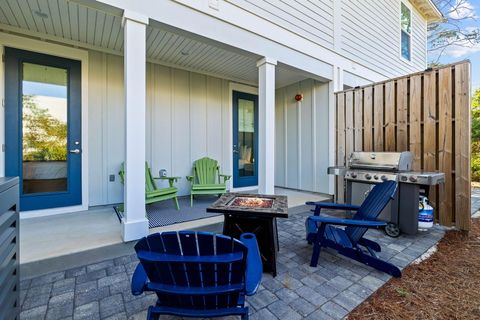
(152, 192)
(206, 178)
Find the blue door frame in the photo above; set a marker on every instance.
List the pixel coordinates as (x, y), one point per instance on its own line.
(14, 59)
(238, 180)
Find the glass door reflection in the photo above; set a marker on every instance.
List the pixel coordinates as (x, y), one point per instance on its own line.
(44, 127)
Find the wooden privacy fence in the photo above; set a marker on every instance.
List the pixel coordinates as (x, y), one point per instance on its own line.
(427, 113)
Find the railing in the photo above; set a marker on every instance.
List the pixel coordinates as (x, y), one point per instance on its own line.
(427, 113)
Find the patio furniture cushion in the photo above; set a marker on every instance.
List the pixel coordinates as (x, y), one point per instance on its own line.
(348, 241)
(197, 274)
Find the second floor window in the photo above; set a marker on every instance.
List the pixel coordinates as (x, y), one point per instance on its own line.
(406, 31)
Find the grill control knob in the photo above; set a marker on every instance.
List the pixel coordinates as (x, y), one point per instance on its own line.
(413, 179)
(353, 175)
(368, 176)
(384, 178)
(404, 178)
(375, 177)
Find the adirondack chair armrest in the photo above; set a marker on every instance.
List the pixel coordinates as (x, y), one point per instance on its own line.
(331, 205)
(253, 274)
(225, 177)
(190, 178)
(171, 180)
(139, 280)
(349, 222)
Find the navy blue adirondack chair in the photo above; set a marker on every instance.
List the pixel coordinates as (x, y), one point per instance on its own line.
(197, 274)
(350, 241)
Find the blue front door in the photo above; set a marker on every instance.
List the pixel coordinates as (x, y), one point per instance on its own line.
(245, 139)
(43, 128)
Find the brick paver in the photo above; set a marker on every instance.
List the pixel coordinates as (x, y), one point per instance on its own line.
(330, 291)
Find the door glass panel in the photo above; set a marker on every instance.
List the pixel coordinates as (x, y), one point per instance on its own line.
(246, 136)
(44, 115)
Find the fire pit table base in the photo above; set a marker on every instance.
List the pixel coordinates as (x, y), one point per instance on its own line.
(257, 214)
(265, 229)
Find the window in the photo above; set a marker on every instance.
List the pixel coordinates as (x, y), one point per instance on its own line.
(406, 31)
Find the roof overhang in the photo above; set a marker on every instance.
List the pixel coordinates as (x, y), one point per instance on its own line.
(428, 10)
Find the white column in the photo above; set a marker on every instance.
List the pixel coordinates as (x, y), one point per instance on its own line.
(135, 223)
(266, 119)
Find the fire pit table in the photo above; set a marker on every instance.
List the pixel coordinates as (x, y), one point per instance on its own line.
(257, 214)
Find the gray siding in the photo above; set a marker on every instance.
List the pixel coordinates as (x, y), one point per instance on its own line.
(309, 19)
(301, 159)
(187, 118)
(370, 35)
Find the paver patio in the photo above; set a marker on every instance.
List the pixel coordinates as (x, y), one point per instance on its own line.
(330, 291)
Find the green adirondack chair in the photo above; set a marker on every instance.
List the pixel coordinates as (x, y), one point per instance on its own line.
(152, 192)
(206, 178)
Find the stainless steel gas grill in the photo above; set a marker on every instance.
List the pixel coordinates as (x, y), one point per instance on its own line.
(364, 169)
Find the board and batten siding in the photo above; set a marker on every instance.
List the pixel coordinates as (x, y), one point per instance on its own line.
(312, 20)
(187, 117)
(301, 134)
(370, 35)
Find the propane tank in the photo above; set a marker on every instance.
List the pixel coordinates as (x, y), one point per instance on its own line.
(425, 214)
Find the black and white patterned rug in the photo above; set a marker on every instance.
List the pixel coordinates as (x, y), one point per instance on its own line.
(164, 213)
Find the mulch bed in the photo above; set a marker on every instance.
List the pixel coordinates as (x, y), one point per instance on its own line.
(445, 286)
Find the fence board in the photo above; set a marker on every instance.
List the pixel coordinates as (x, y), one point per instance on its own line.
(462, 146)
(430, 130)
(358, 105)
(367, 119)
(389, 116)
(402, 114)
(415, 144)
(427, 113)
(340, 144)
(378, 117)
(445, 143)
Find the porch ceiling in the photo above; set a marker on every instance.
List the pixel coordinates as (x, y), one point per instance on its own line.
(98, 27)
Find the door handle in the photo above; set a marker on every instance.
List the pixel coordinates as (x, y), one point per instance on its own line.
(76, 151)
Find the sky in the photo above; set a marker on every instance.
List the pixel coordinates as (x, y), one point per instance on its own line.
(458, 53)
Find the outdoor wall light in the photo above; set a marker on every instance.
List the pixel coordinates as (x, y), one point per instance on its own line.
(299, 97)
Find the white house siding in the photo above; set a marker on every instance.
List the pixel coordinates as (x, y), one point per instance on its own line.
(187, 118)
(370, 35)
(309, 19)
(301, 159)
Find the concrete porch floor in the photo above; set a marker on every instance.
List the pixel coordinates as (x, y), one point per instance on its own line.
(53, 236)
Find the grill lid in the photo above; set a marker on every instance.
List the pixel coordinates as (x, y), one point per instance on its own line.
(386, 161)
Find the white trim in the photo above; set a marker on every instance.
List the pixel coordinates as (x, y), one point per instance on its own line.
(69, 53)
(134, 16)
(232, 86)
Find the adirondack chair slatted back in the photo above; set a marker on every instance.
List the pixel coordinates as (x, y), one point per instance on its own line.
(372, 206)
(223, 278)
(149, 182)
(205, 171)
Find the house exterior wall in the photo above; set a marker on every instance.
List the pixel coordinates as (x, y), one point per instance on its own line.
(360, 36)
(301, 157)
(370, 35)
(188, 117)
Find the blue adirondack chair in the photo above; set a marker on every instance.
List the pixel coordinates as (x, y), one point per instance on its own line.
(350, 241)
(197, 274)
